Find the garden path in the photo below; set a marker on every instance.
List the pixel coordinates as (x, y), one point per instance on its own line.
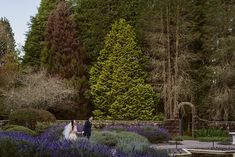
(190, 144)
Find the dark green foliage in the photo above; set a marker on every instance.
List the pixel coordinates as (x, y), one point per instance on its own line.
(105, 138)
(215, 85)
(118, 75)
(94, 19)
(30, 117)
(35, 37)
(8, 126)
(190, 46)
(2, 114)
(42, 126)
(214, 139)
(10, 148)
(45, 116)
(211, 132)
(202, 75)
(124, 141)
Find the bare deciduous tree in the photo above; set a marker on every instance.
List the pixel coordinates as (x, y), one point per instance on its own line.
(37, 90)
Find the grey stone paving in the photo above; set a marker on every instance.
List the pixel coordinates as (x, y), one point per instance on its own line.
(191, 144)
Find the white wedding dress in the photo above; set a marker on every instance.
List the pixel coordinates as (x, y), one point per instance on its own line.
(70, 134)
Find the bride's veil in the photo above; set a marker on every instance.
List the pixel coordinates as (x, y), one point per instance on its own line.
(67, 130)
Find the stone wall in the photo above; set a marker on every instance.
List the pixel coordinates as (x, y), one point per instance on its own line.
(225, 125)
(101, 123)
(172, 125)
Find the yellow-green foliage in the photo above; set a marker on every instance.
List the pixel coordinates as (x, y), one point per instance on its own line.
(20, 129)
(117, 80)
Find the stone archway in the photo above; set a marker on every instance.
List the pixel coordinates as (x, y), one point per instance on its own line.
(182, 104)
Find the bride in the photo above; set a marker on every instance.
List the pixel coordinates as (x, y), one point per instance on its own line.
(70, 131)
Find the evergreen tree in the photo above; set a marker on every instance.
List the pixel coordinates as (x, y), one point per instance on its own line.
(219, 43)
(9, 63)
(118, 79)
(35, 36)
(94, 19)
(165, 28)
(62, 53)
(7, 42)
(8, 55)
(200, 71)
(214, 67)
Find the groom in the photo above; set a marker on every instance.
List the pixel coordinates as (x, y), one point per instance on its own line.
(87, 128)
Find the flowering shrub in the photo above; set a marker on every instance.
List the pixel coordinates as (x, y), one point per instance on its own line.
(153, 134)
(52, 144)
(124, 141)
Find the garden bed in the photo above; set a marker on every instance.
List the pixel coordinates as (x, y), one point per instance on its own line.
(51, 143)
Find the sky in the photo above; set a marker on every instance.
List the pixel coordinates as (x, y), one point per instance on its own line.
(18, 12)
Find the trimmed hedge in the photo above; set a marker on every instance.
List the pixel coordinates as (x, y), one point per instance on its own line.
(8, 126)
(211, 132)
(42, 126)
(30, 117)
(124, 141)
(153, 134)
(21, 129)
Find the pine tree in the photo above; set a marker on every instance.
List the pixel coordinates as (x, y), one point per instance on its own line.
(62, 53)
(166, 30)
(219, 42)
(94, 19)
(200, 72)
(118, 79)
(35, 36)
(8, 55)
(7, 42)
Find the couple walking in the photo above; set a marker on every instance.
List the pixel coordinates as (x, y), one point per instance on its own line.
(70, 131)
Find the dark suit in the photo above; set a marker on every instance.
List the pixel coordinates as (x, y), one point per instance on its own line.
(87, 129)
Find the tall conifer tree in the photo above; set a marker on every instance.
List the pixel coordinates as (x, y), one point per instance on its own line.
(8, 55)
(118, 79)
(95, 17)
(35, 37)
(7, 42)
(62, 53)
(165, 27)
(219, 42)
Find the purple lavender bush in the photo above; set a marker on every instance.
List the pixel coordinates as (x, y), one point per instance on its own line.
(52, 144)
(153, 134)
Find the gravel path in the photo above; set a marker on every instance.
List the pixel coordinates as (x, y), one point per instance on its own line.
(191, 144)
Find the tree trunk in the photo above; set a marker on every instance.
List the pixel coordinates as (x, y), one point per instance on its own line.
(176, 58)
(169, 63)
